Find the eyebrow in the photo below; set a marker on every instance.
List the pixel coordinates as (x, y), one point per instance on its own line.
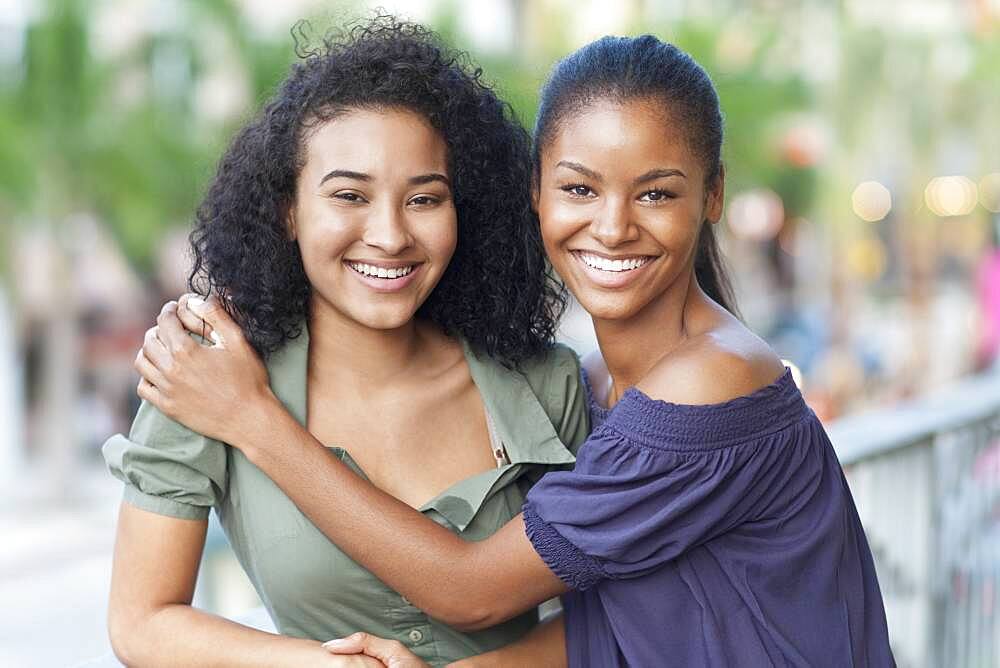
(654, 174)
(651, 175)
(361, 176)
(345, 174)
(577, 167)
(429, 178)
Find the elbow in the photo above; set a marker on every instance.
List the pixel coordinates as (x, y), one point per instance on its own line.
(468, 621)
(475, 617)
(466, 616)
(472, 624)
(118, 634)
(124, 632)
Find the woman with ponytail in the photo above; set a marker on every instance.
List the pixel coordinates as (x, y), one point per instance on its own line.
(706, 521)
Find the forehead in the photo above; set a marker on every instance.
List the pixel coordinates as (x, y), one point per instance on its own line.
(623, 134)
(372, 141)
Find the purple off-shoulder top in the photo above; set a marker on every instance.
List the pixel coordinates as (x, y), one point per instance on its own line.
(720, 535)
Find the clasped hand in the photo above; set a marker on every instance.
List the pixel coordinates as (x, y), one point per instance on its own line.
(213, 387)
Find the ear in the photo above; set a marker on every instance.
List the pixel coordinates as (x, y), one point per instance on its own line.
(290, 223)
(535, 190)
(716, 196)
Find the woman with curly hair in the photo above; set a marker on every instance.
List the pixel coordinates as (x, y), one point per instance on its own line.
(371, 231)
(706, 521)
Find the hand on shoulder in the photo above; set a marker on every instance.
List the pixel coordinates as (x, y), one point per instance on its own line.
(713, 368)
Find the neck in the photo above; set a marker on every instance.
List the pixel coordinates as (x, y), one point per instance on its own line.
(343, 351)
(632, 346)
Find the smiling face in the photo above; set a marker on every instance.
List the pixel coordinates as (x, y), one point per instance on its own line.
(373, 215)
(621, 199)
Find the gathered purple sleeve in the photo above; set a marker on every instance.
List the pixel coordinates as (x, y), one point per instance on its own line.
(656, 480)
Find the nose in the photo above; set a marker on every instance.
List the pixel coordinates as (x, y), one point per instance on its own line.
(612, 225)
(386, 229)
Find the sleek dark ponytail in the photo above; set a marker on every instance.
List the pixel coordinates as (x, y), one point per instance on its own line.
(625, 68)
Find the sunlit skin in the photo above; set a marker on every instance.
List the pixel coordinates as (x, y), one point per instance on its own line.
(618, 181)
(374, 190)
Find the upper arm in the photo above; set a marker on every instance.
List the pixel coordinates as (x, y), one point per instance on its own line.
(172, 477)
(712, 372)
(167, 468)
(155, 564)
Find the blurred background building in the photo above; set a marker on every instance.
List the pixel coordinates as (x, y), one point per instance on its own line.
(862, 226)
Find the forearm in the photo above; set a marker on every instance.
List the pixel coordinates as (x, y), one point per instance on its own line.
(180, 635)
(544, 646)
(462, 583)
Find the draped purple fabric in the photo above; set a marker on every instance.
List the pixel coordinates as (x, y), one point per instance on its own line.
(720, 535)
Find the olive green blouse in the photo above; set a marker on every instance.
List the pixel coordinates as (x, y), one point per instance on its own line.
(310, 588)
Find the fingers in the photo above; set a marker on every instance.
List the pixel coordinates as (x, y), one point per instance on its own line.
(154, 350)
(147, 392)
(352, 644)
(148, 371)
(389, 652)
(211, 311)
(170, 330)
(193, 322)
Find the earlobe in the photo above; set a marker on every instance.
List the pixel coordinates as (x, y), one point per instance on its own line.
(290, 224)
(534, 192)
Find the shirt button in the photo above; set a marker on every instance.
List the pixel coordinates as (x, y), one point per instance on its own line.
(416, 636)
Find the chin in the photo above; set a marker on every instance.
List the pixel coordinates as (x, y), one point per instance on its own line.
(386, 321)
(608, 306)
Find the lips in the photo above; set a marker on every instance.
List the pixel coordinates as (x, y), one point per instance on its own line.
(602, 263)
(612, 272)
(377, 271)
(384, 277)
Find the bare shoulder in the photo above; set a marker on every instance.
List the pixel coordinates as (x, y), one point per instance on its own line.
(715, 367)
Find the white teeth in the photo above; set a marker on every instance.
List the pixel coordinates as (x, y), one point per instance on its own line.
(380, 272)
(604, 264)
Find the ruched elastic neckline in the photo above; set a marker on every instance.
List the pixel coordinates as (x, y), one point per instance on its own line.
(663, 425)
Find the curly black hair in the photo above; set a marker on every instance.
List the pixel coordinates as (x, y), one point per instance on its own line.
(497, 292)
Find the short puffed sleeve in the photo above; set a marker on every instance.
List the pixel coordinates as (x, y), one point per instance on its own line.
(167, 468)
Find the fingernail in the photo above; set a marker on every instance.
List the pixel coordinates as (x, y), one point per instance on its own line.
(336, 642)
(195, 304)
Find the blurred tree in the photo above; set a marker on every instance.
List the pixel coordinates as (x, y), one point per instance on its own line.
(122, 137)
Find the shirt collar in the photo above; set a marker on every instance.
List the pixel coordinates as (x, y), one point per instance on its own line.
(522, 425)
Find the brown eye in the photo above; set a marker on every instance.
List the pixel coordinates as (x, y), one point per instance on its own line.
(423, 200)
(655, 196)
(578, 190)
(346, 196)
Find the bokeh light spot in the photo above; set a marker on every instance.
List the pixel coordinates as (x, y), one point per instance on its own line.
(871, 201)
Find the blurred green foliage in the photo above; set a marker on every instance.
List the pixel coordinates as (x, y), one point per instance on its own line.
(123, 137)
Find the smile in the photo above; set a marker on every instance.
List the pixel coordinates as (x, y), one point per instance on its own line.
(380, 272)
(608, 264)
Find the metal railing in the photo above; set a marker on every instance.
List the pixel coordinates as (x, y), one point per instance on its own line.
(926, 480)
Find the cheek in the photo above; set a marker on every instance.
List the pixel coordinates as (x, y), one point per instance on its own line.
(322, 240)
(674, 230)
(440, 236)
(559, 221)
